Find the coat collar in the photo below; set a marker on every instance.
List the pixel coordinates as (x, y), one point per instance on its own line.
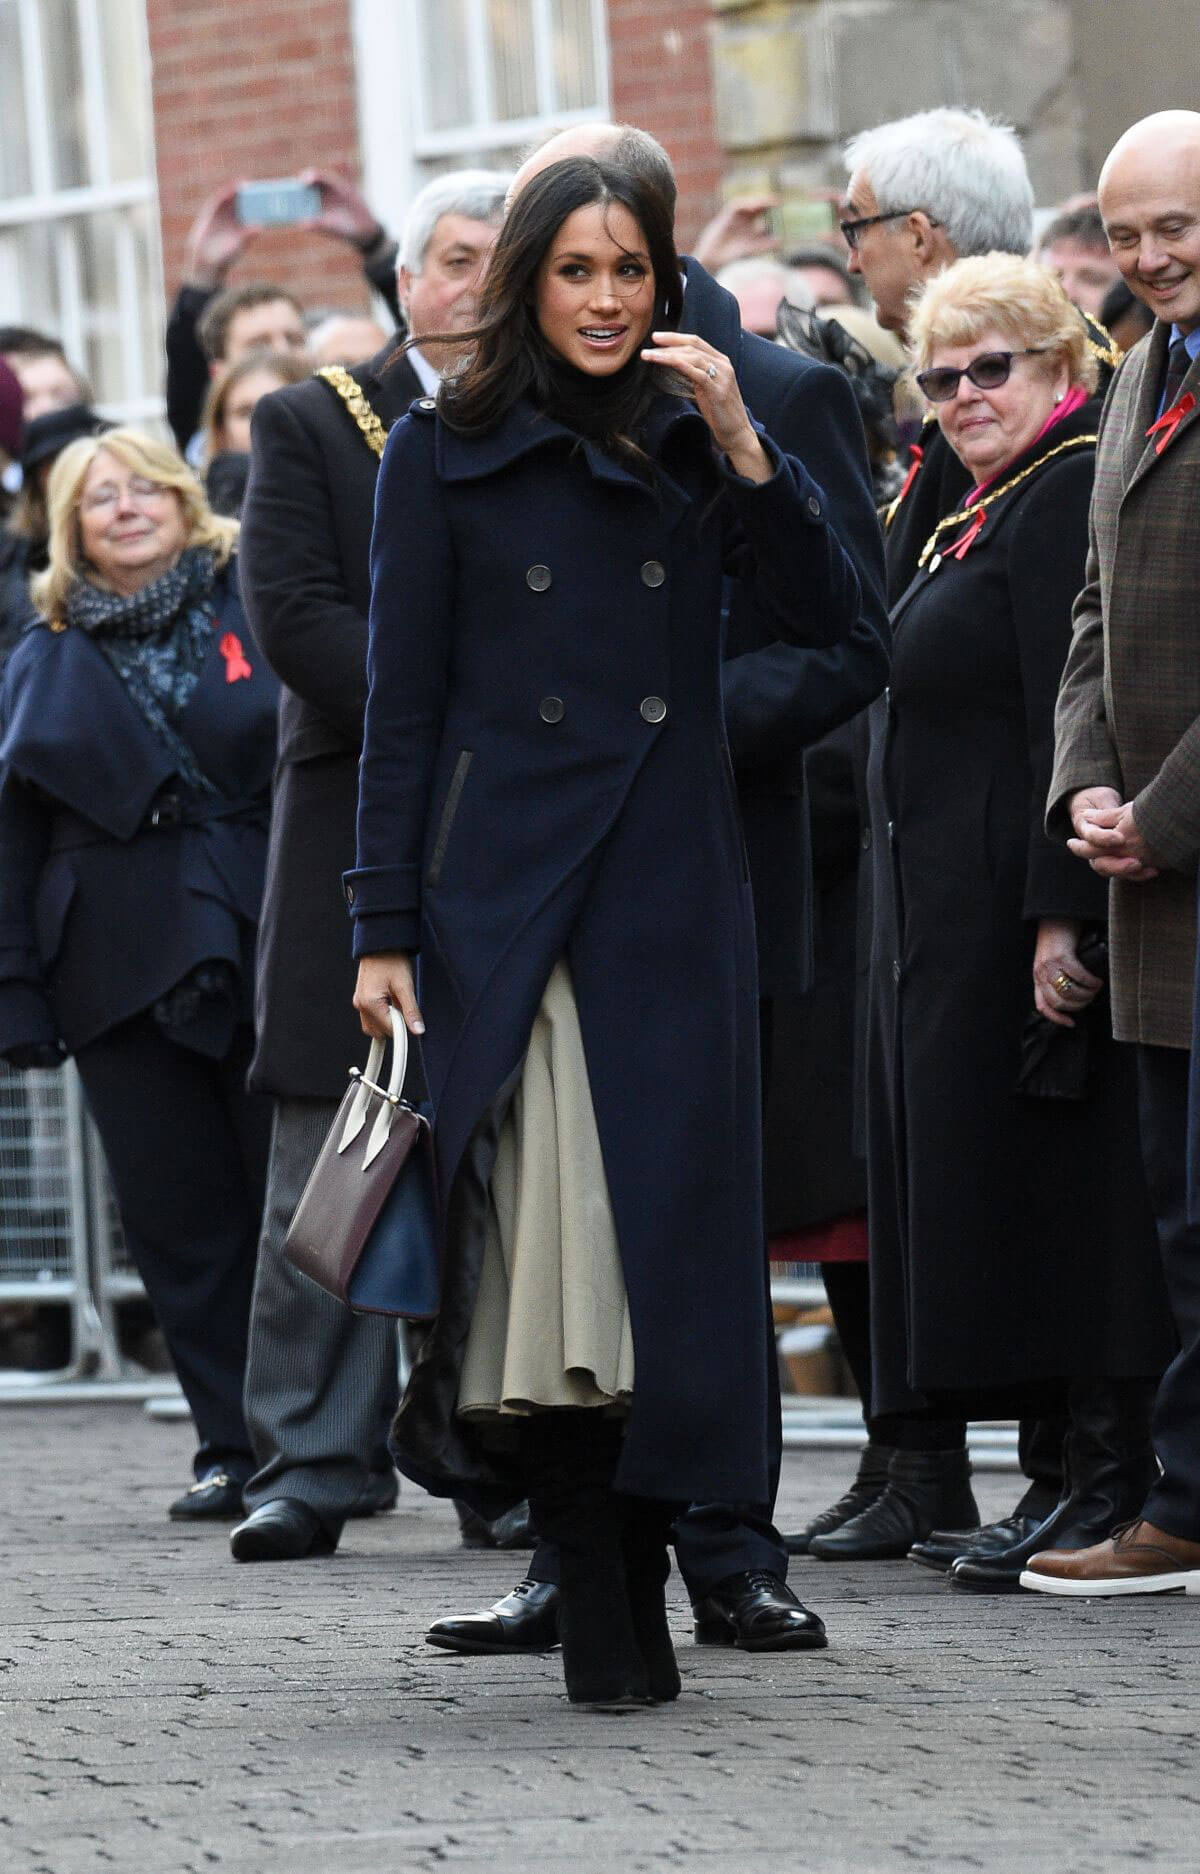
(1148, 360)
(524, 429)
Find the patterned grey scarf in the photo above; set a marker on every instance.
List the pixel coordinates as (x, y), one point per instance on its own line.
(157, 640)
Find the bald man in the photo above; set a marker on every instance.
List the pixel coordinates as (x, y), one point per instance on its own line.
(1126, 786)
(732, 1558)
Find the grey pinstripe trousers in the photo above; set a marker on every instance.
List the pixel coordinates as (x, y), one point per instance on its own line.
(321, 1383)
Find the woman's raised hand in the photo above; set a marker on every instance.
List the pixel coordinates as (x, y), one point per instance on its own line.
(714, 386)
(387, 981)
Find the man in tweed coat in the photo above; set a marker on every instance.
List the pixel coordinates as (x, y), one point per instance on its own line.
(1127, 778)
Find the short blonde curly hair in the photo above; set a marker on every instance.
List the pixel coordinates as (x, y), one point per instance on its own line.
(1002, 293)
(145, 455)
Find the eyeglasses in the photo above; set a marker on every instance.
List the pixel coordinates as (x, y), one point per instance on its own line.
(852, 229)
(987, 372)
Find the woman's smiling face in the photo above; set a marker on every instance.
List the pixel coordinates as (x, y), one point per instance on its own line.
(594, 300)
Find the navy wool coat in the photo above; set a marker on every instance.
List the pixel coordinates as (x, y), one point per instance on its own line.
(102, 911)
(545, 771)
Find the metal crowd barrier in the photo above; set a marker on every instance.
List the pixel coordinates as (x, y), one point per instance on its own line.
(60, 1238)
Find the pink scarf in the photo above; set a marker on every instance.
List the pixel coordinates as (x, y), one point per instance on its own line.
(1074, 400)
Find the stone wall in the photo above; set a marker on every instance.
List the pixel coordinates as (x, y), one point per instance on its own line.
(794, 78)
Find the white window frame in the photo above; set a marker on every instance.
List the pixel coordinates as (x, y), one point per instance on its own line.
(399, 152)
(55, 208)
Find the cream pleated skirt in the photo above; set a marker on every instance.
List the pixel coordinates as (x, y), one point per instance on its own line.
(551, 1324)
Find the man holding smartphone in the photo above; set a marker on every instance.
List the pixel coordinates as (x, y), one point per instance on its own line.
(260, 316)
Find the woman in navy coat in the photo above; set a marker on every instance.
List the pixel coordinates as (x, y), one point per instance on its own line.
(138, 738)
(547, 816)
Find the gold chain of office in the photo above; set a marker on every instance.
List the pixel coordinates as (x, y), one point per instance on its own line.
(370, 427)
(978, 509)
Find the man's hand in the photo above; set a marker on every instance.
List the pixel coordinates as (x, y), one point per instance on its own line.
(217, 238)
(737, 231)
(1107, 837)
(344, 214)
(1090, 800)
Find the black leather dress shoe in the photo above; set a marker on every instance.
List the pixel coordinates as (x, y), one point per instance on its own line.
(525, 1621)
(926, 1490)
(379, 1495)
(758, 1612)
(943, 1547)
(283, 1530)
(216, 1497)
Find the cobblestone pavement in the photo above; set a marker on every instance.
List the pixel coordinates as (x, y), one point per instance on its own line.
(165, 1711)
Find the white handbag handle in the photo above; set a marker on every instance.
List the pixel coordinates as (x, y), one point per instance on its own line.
(368, 1083)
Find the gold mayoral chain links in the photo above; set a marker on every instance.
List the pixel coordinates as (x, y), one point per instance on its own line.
(340, 380)
(978, 509)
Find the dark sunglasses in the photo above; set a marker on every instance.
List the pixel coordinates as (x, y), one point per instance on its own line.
(852, 229)
(987, 372)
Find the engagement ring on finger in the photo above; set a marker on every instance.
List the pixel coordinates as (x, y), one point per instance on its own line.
(1063, 983)
(712, 370)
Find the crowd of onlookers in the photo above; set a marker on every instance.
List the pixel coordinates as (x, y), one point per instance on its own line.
(988, 871)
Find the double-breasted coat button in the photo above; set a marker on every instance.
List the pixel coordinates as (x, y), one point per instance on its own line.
(552, 709)
(814, 507)
(538, 578)
(653, 573)
(895, 969)
(653, 709)
(349, 894)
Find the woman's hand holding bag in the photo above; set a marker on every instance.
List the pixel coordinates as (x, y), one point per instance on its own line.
(365, 1229)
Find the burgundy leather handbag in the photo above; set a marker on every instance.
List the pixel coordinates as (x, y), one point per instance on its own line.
(365, 1229)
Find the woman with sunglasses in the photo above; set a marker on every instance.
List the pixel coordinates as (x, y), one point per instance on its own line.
(1013, 1262)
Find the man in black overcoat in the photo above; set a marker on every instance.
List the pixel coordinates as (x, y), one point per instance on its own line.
(321, 1383)
(732, 1558)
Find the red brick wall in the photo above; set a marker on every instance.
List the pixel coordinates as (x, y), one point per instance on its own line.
(249, 91)
(662, 81)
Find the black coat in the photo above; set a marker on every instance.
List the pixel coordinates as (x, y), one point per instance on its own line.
(813, 1168)
(305, 535)
(545, 772)
(101, 911)
(809, 410)
(305, 546)
(1011, 1239)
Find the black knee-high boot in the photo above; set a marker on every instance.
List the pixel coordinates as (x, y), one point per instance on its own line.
(570, 1458)
(645, 1534)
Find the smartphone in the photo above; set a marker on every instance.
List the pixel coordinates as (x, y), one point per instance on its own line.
(276, 204)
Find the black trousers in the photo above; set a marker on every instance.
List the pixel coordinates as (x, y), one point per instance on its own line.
(1174, 1502)
(713, 1540)
(187, 1152)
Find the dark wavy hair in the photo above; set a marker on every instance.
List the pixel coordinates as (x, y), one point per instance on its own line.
(509, 358)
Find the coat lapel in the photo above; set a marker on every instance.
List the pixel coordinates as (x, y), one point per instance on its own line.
(1142, 452)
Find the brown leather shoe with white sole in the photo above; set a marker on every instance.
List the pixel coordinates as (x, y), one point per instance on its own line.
(1136, 1559)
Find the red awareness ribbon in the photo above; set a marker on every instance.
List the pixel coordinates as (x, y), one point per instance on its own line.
(236, 666)
(914, 469)
(1170, 420)
(968, 540)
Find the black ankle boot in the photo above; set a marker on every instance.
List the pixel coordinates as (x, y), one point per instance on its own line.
(925, 1490)
(645, 1533)
(570, 1458)
(1110, 1467)
(868, 1486)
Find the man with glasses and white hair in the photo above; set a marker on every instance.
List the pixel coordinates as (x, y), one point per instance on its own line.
(924, 191)
(320, 1381)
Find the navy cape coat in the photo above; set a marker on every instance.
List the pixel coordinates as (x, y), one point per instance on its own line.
(545, 771)
(101, 912)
